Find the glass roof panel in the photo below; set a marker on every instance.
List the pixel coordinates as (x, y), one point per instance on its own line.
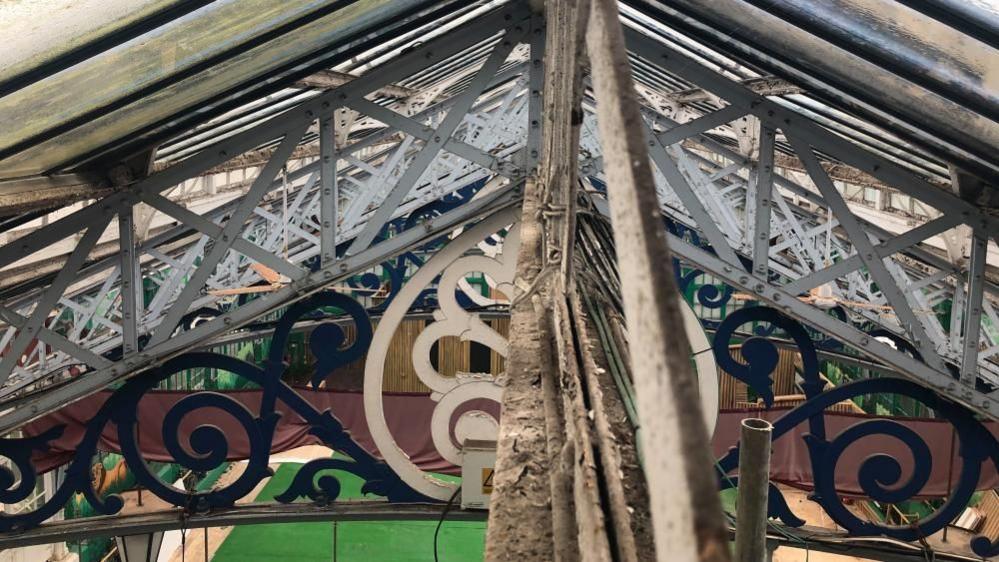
(178, 46)
(38, 31)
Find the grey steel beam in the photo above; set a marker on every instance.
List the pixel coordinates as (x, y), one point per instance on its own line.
(907, 366)
(427, 134)
(865, 249)
(822, 139)
(230, 232)
(329, 196)
(153, 355)
(883, 250)
(29, 329)
(700, 125)
(973, 307)
(763, 192)
(676, 180)
(970, 131)
(214, 231)
(431, 147)
(130, 285)
(403, 66)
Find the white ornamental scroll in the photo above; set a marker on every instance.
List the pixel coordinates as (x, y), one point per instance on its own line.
(450, 319)
(499, 266)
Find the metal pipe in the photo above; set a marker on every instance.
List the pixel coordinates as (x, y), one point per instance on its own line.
(754, 483)
(904, 42)
(977, 19)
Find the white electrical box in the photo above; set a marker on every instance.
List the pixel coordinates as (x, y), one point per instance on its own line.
(478, 459)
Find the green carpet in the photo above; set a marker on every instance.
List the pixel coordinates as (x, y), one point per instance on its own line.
(368, 541)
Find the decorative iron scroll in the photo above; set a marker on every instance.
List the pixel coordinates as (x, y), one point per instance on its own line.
(880, 475)
(206, 446)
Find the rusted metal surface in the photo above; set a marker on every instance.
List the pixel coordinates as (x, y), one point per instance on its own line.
(764, 86)
(329, 79)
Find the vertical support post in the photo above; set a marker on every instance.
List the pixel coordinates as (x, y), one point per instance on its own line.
(763, 194)
(686, 513)
(541, 149)
(957, 314)
(559, 169)
(129, 283)
(754, 483)
(533, 465)
(328, 195)
(535, 83)
(973, 310)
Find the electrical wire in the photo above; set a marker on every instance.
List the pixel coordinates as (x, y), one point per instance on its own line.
(444, 513)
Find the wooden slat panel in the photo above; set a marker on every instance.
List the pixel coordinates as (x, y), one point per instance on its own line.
(400, 376)
(989, 507)
(732, 391)
(453, 356)
(497, 363)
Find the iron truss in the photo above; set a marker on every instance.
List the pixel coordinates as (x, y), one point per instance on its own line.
(774, 232)
(745, 191)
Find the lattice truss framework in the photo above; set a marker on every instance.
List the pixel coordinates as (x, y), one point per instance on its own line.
(340, 165)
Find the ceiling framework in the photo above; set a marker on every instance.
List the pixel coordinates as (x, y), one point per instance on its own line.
(705, 180)
(345, 166)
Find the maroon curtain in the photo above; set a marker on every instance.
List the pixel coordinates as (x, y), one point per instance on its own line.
(408, 417)
(790, 463)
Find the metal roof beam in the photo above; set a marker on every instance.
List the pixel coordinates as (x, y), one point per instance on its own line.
(766, 86)
(329, 79)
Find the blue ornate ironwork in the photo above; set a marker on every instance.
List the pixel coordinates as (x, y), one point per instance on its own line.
(880, 475)
(207, 447)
